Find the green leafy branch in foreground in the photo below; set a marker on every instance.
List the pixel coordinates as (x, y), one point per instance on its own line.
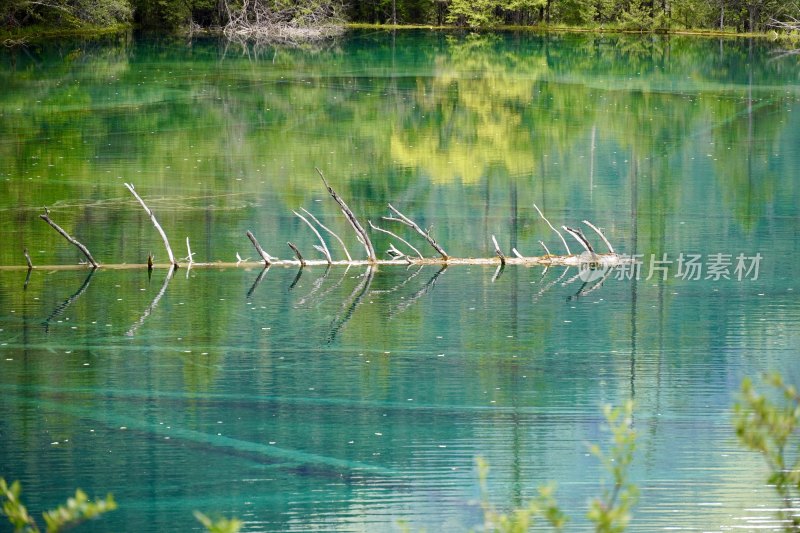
(78, 510)
(222, 525)
(521, 519)
(771, 428)
(610, 513)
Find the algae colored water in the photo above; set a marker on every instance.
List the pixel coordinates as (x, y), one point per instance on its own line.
(353, 399)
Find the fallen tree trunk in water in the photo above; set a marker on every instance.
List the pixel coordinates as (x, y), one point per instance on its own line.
(588, 258)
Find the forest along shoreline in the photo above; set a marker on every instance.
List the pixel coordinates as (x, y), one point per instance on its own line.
(292, 21)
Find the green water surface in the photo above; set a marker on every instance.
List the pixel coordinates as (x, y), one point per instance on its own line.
(352, 399)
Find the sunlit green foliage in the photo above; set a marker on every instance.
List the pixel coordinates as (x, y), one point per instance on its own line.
(611, 511)
(76, 510)
(220, 525)
(769, 424)
(521, 519)
(64, 14)
(637, 15)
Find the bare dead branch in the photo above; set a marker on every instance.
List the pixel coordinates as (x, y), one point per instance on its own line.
(376, 228)
(27, 258)
(498, 252)
(323, 247)
(189, 251)
(545, 248)
(580, 237)
(410, 223)
(552, 228)
(323, 226)
(155, 223)
(268, 259)
(297, 253)
(264, 22)
(357, 227)
(69, 238)
(597, 230)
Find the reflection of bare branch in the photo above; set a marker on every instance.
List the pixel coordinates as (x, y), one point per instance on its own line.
(408, 302)
(400, 285)
(572, 280)
(335, 285)
(498, 271)
(547, 287)
(316, 287)
(132, 331)
(257, 281)
(296, 278)
(66, 303)
(584, 291)
(350, 305)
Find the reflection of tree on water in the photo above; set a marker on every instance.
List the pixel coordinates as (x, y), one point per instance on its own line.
(351, 303)
(470, 110)
(132, 331)
(63, 306)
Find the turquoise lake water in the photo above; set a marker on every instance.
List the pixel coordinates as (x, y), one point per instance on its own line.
(354, 399)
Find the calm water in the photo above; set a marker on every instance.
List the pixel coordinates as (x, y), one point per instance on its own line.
(350, 400)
